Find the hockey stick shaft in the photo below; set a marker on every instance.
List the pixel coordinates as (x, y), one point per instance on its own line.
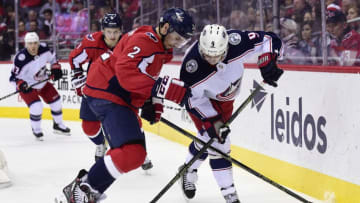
(205, 147)
(17, 91)
(234, 161)
(182, 171)
(226, 156)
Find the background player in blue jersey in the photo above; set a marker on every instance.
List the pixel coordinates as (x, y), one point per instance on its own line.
(213, 68)
(30, 68)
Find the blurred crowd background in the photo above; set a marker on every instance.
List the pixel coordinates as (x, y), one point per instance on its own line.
(319, 32)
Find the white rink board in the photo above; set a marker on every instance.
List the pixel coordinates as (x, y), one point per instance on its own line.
(329, 101)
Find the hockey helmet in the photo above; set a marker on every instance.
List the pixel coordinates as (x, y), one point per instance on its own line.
(31, 37)
(213, 40)
(111, 20)
(180, 21)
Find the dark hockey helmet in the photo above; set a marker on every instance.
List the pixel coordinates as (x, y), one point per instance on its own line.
(111, 20)
(180, 21)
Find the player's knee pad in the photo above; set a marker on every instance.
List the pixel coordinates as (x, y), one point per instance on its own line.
(194, 151)
(56, 105)
(128, 157)
(91, 128)
(36, 108)
(219, 163)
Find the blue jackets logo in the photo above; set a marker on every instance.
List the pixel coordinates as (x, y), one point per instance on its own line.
(259, 98)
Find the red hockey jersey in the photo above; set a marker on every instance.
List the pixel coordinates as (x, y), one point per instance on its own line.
(91, 47)
(127, 76)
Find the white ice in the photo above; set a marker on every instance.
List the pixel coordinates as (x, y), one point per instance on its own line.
(39, 170)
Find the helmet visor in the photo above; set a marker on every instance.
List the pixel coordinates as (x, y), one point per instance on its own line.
(176, 40)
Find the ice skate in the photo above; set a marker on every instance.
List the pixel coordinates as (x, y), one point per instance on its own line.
(147, 165)
(79, 191)
(232, 198)
(39, 136)
(61, 129)
(187, 183)
(100, 151)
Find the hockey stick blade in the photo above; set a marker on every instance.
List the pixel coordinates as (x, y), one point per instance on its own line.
(17, 91)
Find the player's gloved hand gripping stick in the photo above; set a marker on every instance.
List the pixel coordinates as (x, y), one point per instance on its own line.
(205, 147)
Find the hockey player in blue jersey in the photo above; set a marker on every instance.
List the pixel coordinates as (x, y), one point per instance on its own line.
(30, 68)
(213, 68)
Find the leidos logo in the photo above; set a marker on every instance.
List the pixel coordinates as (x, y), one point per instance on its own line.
(298, 128)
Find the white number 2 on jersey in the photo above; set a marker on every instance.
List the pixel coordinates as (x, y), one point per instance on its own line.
(136, 51)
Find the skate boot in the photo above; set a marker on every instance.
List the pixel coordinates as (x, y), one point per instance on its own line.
(187, 183)
(39, 136)
(79, 191)
(61, 129)
(147, 165)
(230, 194)
(100, 151)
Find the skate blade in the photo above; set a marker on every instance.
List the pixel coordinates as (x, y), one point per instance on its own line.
(5, 185)
(39, 139)
(147, 172)
(61, 199)
(61, 133)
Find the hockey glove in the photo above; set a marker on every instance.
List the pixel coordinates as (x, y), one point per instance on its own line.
(22, 86)
(269, 70)
(171, 89)
(56, 72)
(152, 110)
(78, 81)
(215, 128)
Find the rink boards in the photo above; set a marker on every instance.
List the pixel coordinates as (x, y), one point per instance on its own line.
(303, 134)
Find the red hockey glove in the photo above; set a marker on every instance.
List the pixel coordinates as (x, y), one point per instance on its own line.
(215, 128)
(152, 110)
(78, 81)
(56, 72)
(22, 86)
(171, 89)
(269, 70)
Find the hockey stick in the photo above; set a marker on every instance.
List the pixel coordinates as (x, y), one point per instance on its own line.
(229, 158)
(17, 91)
(206, 146)
(236, 162)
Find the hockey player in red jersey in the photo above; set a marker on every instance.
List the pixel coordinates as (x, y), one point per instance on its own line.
(30, 68)
(220, 54)
(117, 86)
(346, 42)
(91, 47)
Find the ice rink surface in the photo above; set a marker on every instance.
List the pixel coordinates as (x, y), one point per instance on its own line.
(39, 170)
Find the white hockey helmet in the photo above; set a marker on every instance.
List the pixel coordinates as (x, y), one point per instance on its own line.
(31, 37)
(213, 40)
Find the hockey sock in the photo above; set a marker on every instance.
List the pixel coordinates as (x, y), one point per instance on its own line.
(36, 109)
(99, 178)
(93, 130)
(56, 112)
(192, 152)
(222, 171)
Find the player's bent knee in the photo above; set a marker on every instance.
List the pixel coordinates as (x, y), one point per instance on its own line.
(128, 157)
(36, 108)
(91, 128)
